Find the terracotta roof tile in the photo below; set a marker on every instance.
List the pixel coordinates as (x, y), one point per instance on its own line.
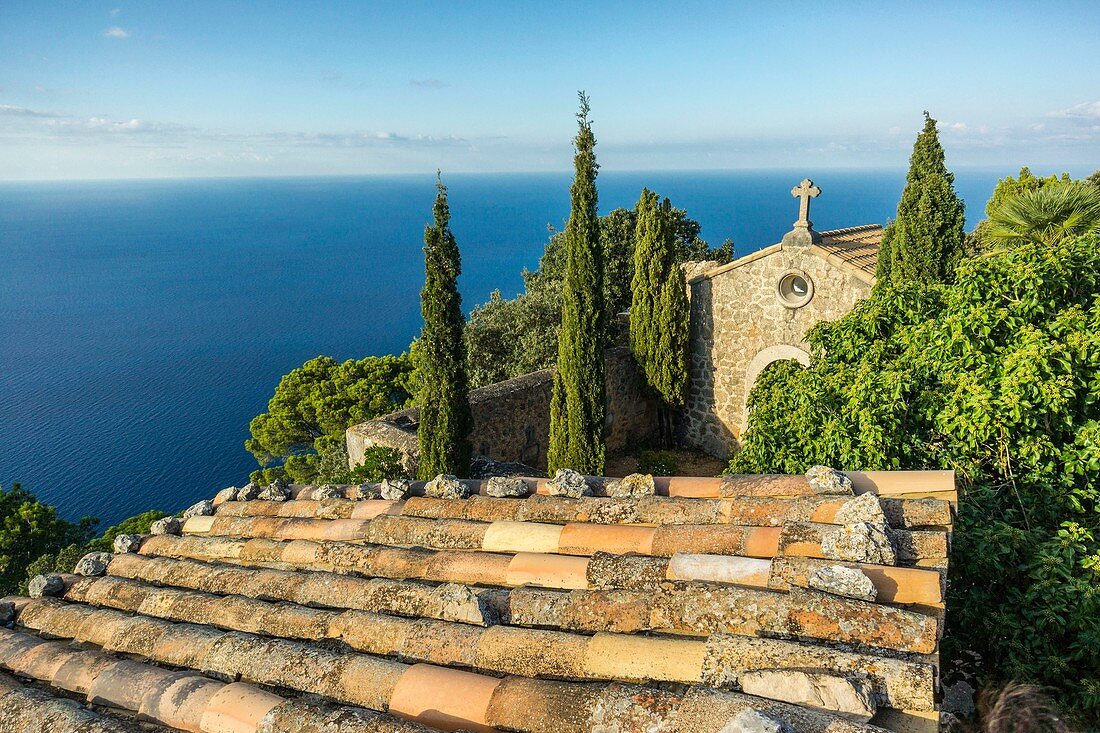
(855, 246)
(543, 613)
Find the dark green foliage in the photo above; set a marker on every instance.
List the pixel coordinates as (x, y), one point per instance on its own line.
(301, 436)
(925, 241)
(444, 429)
(65, 559)
(658, 463)
(378, 463)
(578, 403)
(1009, 187)
(507, 338)
(659, 311)
(30, 529)
(1044, 215)
(997, 377)
(139, 524)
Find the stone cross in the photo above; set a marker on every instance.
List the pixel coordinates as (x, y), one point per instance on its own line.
(803, 232)
(805, 191)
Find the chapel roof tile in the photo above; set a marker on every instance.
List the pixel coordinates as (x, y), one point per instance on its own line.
(853, 248)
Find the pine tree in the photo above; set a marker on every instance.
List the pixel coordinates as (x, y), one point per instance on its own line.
(444, 429)
(659, 309)
(926, 240)
(577, 407)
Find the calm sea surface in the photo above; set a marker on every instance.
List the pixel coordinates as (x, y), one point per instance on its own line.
(144, 323)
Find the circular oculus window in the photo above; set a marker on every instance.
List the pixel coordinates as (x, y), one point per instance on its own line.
(794, 289)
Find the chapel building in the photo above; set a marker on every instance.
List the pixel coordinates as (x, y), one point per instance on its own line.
(754, 311)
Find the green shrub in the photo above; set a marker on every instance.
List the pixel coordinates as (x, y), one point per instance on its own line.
(998, 378)
(139, 524)
(378, 463)
(30, 530)
(65, 559)
(658, 462)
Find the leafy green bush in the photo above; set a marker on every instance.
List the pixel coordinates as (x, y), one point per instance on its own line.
(998, 378)
(29, 530)
(301, 436)
(65, 559)
(658, 462)
(378, 463)
(139, 524)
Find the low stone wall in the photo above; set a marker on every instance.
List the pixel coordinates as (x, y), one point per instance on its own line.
(512, 418)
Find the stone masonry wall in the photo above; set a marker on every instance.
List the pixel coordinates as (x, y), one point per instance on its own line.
(739, 326)
(512, 418)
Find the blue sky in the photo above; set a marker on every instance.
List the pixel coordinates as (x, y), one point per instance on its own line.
(131, 89)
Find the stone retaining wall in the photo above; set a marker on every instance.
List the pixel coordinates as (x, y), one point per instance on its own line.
(512, 418)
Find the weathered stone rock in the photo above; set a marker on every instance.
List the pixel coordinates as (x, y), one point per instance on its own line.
(204, 508)
(94, 563)
(843, 581)
(501, 486)
(754, 721)
(167, 525)
(959, 698)
(859, 542)
(394, 489)
(850, 698)
(249, 492)
(567, 482)
(7, 613)
(446, 486)
(636, 484)
(326, 491)
(46, 585)
(127, 543)
(277, 490)
(229, 493)
(365, 491)
(825, 480)
(863, 508)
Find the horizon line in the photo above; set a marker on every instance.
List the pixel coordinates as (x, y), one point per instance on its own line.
(1007, 170)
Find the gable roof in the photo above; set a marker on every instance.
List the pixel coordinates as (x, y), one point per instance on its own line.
(654, 605)
(854, 249)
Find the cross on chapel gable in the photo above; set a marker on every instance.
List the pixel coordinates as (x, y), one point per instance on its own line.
(803, 232)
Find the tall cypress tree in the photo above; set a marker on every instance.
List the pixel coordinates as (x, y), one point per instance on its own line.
(659, 308)
(444, 429)
(578, 406)
(925, 241)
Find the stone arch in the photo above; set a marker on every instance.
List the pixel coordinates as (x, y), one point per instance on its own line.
(763, 358)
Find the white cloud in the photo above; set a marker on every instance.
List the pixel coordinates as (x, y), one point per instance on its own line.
(1086, 111)
(10, 110)
(429, 83)
(116, 32)
(115, 11)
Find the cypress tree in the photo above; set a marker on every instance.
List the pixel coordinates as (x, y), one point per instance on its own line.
(659, 308)
(444, 429)
(578, 404)
(925, 241)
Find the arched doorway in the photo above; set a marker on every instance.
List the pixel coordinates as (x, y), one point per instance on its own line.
(760, 362)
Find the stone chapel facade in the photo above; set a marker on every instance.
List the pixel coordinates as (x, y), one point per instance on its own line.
(757, 310)
(745, 315)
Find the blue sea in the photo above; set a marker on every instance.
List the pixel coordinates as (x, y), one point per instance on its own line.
(144, 323)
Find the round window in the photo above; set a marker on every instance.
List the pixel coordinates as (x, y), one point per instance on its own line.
(794, 289)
